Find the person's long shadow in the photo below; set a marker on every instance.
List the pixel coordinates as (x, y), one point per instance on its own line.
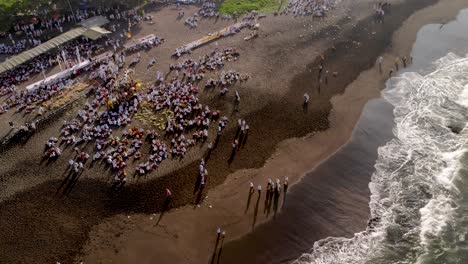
(248, 201)
(237, 133)
(199, 196)
(208, 155)
(216, 141)
(235, 108)
(245, 139)
(270, 202)
(71, 185)
(275, 203)
(51, 160)
(197, 184)
(266, 207)
(284, 194)
(233, 155)
(213, 257)
(305, 107)
(220, 250)
(241, 139)
(65, 181)
(91, 165)
(256, 212)
(165, 207)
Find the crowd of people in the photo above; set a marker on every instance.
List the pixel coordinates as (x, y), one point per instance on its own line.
(66, 57)
(317, 8)
(18, 47)
(273, 193)
(208, 10)
(145, 45)
(187, 121)
(195, 71)
(42, 29)
(34, 29)
(111, 109)
(191, 22)
(44, 91)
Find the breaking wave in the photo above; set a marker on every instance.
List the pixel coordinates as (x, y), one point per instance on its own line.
(418, 201)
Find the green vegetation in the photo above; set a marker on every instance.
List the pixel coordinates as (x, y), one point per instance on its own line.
(8, 3)
(10, 8)
(238, 7)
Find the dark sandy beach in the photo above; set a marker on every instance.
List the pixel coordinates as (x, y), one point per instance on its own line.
(332, 199)
(95, 226)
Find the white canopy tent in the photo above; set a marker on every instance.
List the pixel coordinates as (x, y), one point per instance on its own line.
(89, 28)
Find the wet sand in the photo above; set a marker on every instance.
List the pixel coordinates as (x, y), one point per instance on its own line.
(123, 228)
(226, 213)
(332, 200)
(61, 223)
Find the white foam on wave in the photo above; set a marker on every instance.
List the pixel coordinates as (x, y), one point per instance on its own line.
(412, 189)
(463, 100)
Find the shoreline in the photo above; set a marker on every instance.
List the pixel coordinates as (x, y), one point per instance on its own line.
(125, 229)
(234, 179)
(237, 250)
(332, 199)
(28, 200)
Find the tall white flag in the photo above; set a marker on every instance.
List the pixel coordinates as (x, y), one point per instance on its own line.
(64, 59)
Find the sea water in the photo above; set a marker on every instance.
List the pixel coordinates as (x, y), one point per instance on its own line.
(419, 190)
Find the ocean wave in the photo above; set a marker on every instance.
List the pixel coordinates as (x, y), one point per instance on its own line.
(414, 199)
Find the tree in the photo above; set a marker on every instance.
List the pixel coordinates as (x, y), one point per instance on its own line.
(11, 9)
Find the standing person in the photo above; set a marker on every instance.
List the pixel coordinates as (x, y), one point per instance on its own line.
(268, 187)
(237, 102)
(251, 187)
(201, 167)
(233, 153)
(305, 104)
(404, 61)
(246, 133)
(168, 194)
(218, 232)
(396, 63)
(241, 136)
(306, 98)
(380, 61)
(203, 180)
(208, 154)
(259, 189)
